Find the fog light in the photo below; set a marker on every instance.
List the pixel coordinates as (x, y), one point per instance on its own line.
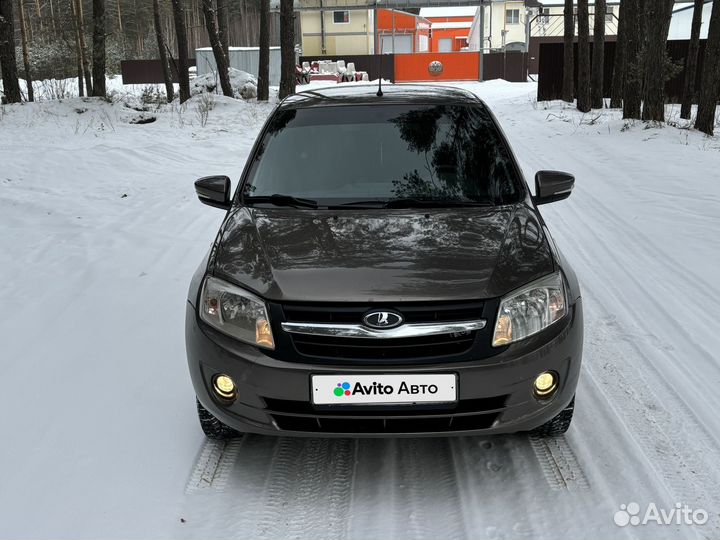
(545, 384)
(224, 387)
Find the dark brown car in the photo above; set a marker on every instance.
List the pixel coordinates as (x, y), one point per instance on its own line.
(383, 270)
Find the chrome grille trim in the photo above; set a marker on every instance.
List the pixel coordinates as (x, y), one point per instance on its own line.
(404, 331)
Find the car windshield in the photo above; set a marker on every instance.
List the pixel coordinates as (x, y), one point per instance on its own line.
(367, 154)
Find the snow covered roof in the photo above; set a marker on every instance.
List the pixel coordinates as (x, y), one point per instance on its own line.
(463, 11)
(448, 25)
(562, 2)
(234, 48)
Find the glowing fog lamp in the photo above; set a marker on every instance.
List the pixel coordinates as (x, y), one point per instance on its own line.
(545, 384)
(224, 386)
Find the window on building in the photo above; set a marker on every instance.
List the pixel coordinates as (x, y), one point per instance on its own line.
(512, 16)
(445, 45)
(544, 15)
(341, 17)
(609, 16)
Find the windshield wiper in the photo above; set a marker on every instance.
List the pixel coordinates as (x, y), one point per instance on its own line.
(281, 200)
(411, 202)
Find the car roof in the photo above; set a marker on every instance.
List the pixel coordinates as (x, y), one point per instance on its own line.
(366, 94)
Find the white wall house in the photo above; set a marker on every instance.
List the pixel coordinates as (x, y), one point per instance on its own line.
(682, 21)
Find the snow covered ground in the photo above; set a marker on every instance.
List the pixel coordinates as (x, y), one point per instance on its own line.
(101, 231)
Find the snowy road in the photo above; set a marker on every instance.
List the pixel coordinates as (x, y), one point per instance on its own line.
(101, 232)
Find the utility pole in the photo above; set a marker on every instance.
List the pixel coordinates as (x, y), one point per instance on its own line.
(482, 41)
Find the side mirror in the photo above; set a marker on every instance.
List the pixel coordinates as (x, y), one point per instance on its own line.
(552, 186)
(214, 191)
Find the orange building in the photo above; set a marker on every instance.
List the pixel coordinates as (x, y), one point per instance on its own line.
(401, 32)
(449, 27)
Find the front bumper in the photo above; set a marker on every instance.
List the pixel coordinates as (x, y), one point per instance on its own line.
(494, 394)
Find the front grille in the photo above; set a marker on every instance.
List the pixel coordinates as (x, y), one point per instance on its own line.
(342, 348)
(412, 312)
(381, 349)
(294, 407)
(428, 424)
(465, 415)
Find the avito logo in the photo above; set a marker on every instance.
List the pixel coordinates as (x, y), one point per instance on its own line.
(376, 388)
(342, 389)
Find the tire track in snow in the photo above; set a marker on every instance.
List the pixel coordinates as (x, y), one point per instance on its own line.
(213, 465)
(429, 497)
(678, 446)
(308, 491)
(559, 465)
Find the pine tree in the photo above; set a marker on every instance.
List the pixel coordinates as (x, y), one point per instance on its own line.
(598, 63)
(223, 18)
(182, 44)
(568, 89)
(263, 89)
(583, 99)
(618, 81)
(658, 14)
(287, 48)
(632, 92)
(710, 88)
(691, 61)
(8, 62)
(99, 32)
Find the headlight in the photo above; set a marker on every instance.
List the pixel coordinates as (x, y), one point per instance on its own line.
(236, 312)
(528, 310)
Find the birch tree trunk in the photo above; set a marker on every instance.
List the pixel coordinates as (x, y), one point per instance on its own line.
(26, 57)
(81, 43)
(162, 52)
(221, 60)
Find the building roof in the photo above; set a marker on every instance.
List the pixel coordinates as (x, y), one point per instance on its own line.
(450, 25)
(464, 11)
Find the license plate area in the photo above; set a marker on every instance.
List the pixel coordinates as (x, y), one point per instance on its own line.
(384, 389)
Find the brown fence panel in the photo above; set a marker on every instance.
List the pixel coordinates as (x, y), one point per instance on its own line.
(511, 66)
(146, 71)
(371, 63)
(550, 70)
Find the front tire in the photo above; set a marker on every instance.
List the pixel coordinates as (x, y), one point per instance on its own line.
(213, 428)
(558, 425)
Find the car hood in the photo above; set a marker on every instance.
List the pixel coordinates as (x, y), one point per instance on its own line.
(288, 254)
